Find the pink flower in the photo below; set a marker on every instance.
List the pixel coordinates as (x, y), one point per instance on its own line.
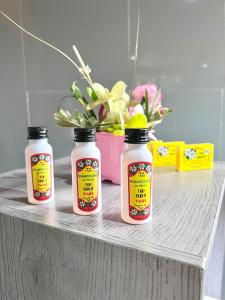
(152, 90)
(131, 110)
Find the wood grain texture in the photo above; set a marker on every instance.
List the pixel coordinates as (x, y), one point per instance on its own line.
(39, 262)
(47, 252)
(185, 212)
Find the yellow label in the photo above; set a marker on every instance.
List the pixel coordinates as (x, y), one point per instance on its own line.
(41, 176)
(139, 189)
(87, 183)
(165, 153)
(195, 157)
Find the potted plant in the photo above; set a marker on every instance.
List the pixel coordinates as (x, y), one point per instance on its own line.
(110, 112)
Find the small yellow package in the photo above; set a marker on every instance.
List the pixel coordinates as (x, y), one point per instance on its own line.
(164, 153)
(151, 144)
(195, 157)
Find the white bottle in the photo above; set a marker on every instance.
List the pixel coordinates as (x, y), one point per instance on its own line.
(86, 173)
(136, 177)
(39, 166)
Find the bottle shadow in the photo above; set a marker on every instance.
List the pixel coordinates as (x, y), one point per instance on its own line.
(19, 199)
(66, 209)
(113, 217)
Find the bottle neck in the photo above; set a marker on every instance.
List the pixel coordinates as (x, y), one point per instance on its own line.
(85, 144)
(38, 141)
(136, 146)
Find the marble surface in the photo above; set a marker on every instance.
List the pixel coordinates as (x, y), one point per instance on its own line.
(185, 212)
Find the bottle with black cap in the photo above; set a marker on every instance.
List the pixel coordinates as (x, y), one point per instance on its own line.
(86, 173)
(136, 177)
(39, 166)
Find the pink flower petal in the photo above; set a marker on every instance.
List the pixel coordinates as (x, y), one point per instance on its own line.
(152, 90)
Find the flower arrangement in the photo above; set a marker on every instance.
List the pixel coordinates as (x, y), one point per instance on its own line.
(117, 109)
(108, 110)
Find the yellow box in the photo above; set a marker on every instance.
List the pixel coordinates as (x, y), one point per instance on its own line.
(164, 153)
(151, 144)
(195, 157)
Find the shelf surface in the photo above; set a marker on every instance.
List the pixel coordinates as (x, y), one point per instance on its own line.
(186, 208)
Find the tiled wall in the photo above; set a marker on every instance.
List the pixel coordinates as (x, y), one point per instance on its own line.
(181, 49)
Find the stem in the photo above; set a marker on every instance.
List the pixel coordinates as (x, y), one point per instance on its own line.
(105, 124)
(122, 121)
(85, 71)
(136, 48)
(42, 41)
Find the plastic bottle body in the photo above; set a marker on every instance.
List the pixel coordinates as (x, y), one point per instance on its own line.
(39, 170)
(136, 184)
(86, 178)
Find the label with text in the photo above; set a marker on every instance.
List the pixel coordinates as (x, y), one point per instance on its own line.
(139, 189)
(41, 166)
(87, 171)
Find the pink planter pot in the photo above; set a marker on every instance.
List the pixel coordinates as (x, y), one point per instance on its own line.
(111, 148)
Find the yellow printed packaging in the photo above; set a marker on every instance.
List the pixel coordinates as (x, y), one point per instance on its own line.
(165, 153)
(151, 144)
(195, 157)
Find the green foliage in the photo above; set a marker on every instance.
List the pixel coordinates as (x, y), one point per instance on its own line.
(66, 119)
(92, 94)
(115, 113)
(75, 119)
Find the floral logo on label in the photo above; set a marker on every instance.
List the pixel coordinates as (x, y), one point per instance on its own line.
(163, 151)
(83, 204)
(36, 158)
(88, 162)
(134, 168)
(190, 154)
(135, 213)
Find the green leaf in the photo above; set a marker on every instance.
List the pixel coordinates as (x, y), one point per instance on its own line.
(156, 116)
(149, 115)
(93, 104)
(166, 110)
(76, 115)
(77, 94)
(146, 104)
(92, 122)
(117, 126)
(89, 91)
(92, 94)
(118, 132)
(143, 103)
(66, 119)
(110, 129)
(76, 91)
